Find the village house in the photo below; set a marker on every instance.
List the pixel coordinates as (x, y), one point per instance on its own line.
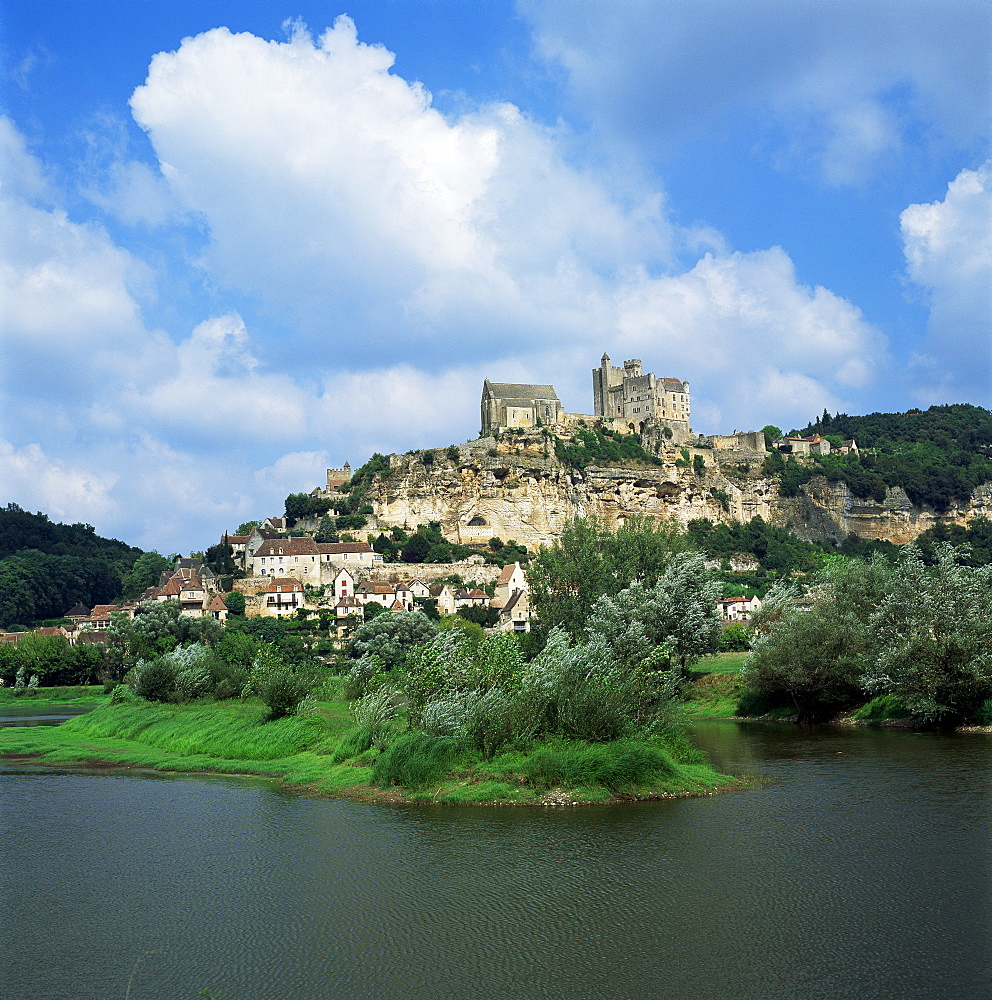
(812, 445)
(515, 615)
(282, 597)
(344, 584)
(298, 557)
(738, 609)
(445, 598)
(511, 579)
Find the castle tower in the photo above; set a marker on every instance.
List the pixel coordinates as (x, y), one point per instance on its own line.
(336, 477)
(603, 378)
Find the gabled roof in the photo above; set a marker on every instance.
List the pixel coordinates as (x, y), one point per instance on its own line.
(349, 602)
(235, 539)
(512, 602)
(304, 545)
(335, 548)
(77, 611)
(102, 610)
(217, 604)
(513, 391)
(88, 638)
(397, 606)
(506, 575)
(285, 585)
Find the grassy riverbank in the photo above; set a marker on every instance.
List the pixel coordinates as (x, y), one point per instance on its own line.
(77, 694)
(326, 754)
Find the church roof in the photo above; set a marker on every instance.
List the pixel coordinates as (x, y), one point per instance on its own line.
(511, 390)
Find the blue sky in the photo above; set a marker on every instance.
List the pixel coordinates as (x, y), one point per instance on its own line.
(243, 241)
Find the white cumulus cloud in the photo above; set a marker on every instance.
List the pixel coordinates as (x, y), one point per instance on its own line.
(948, 248)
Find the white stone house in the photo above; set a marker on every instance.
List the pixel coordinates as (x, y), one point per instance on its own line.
(282, 597)
(738, 609)
(510, 579)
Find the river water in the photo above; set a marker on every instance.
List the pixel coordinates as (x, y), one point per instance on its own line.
(860, 866)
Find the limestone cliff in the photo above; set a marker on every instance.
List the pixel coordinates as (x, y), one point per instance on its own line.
(515, 488)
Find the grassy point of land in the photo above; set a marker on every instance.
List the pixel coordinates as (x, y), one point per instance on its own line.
(79, 694)
(320, 754)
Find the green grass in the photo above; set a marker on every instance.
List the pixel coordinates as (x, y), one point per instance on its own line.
(326, 753)
(70, 695)
(882, 709)
(719, 663)
(715, 695)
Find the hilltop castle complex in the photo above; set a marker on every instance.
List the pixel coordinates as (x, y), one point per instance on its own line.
(624, 396)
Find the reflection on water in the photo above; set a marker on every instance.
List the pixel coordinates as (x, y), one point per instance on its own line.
(860, 869)
(40, 714)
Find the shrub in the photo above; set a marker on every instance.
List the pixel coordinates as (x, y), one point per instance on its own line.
(155, 679)
(355, 741)
(414, 760)
(281, 686)
(122, 695)
(617, 766)
(374, 714)
(362, 671)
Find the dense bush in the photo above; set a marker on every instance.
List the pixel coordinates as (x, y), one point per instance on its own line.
(922, 633)
(618, 766)
(415, 760)
(283, 687)
(602, 446)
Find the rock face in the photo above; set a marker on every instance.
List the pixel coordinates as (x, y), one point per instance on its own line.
(515, 488)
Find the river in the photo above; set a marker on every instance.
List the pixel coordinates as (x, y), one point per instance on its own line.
(860, 866)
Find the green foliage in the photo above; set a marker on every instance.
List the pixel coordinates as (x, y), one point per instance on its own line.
(775, 548)
(485, 616)
(602, 446)
(921, 633)
(220, 558)
(698, 465)
(235, 603)
(453, 454)
(390, 636)
(813, 658)
(618, 766)
(145, 573)
(283, 687)
(157, 627)
(974, 542)
(882, 709)
(937, 456)
(247, 527)
(934, 637)
(274, 631)
(303, 505)
(46, 568)
(735, 638)
(771, 433)
(415, 760)
(374, 714)
(589, 560)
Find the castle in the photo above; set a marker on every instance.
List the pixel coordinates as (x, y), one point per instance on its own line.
(633, 397)
(624, 396)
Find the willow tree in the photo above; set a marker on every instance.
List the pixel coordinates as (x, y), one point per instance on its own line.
(590, 560)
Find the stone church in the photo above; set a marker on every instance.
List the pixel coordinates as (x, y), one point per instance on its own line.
(506, 405)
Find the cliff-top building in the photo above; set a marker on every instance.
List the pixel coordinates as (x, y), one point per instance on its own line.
(628, 394)
(509, 405)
